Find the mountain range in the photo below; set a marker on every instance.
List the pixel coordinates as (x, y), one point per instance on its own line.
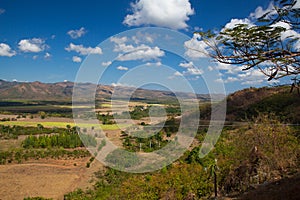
(62, 91)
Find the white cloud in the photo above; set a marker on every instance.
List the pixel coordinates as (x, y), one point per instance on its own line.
(177, 73)
(5, 50)
(289, 33)
(122, 68)
(154, 64)
(195, 47)
(136, 52)
(297, 5)
(130, 52)
(2, 11)
(143, 37)
(122, 85)
(190, 69)
(210, 68)
(231, 79)
(219, 80)
(106, 64)
(76, 59)
(193, 71)
(34, 45)
(118, 40)
(77, 33)
(229, 69)
(187, 65)
(35, 57)
(142, 53)
(234, 22)
(47, 55)
(83, 50)
(259, 11)
(165, 13)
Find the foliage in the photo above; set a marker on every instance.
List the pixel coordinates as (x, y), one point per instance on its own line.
(12, 132)
(106, 119)
(65, 140)
(261, 153)
(271, 46)
(154, 142)
(122, 159)
(19, 155)
(36, 198)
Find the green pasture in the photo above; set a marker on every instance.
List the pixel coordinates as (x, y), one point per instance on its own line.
(107, 127)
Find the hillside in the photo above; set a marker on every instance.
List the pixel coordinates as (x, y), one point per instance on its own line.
(246, 104)
(62, 91)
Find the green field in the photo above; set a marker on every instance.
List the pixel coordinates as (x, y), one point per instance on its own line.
(108, 127)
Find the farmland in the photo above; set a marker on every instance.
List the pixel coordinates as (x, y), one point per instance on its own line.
(41, 149)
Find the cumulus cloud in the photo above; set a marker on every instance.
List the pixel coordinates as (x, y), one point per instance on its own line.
(289, 33)
(76, 59)
(177, 73)
(259, 11)
(131, 52)
(77, 33)
(5, 50)
(142, 52)
(83, 50)
(119, 40)
(234, 22)
(34, 45)
(187, 65)
(195, 47)
(190, 69)
(193, 71)
(106, 64)
(121, 68)
(143, 37)
(167, 13)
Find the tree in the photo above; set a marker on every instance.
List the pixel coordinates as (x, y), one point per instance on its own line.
(271, 45)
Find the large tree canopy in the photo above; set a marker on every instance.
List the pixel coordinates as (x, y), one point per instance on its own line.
(270, 44)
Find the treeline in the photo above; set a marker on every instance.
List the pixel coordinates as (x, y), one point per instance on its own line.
(20, 155)
(65, 140)
(12, 132)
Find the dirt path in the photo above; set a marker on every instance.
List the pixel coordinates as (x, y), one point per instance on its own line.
(46, 178)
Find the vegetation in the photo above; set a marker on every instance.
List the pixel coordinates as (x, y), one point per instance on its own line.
(19, 155)
(139, 140)
(12, 132)
(65, 140)
(45, 143)
(270, 46)
(261, 151)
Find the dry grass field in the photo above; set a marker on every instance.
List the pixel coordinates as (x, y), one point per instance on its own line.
(46, 177)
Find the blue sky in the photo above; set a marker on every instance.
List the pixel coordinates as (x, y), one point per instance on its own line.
(48, 41)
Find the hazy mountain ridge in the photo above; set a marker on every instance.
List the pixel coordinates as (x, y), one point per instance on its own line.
(62, 91)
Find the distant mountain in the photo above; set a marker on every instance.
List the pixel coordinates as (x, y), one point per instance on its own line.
(62, 91)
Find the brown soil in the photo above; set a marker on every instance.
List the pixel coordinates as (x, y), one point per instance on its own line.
(47, 178)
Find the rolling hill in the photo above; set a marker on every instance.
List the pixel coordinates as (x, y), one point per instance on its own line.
(246, 104)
